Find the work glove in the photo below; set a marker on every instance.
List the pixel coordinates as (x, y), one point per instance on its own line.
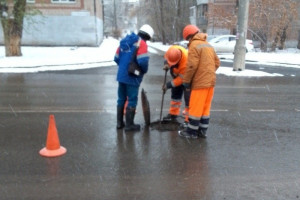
(166, 86)
(166, 66)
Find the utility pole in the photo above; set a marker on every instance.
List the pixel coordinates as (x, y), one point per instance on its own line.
(240, 47)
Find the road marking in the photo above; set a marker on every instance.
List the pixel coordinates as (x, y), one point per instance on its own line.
(268, 88)
(262, 110)
(219, 110)
(12, 109)
(276, 137)
(15, 111)
(241, 87)
(158, 109)
(59, 111)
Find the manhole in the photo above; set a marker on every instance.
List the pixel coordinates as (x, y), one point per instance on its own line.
(165, 126)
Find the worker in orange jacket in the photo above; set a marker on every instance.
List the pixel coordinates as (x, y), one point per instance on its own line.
(200, 78)
(176, 60)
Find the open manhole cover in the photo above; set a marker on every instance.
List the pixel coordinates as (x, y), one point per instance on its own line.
(165, 126)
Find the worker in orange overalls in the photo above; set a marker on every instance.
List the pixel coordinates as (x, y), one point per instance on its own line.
(176, 60)
(200, 78)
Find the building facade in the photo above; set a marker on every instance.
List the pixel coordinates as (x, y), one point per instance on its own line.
(204, 12)
(63, 23)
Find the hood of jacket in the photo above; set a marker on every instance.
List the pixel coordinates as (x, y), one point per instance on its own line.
(199, 36)
(127, 42)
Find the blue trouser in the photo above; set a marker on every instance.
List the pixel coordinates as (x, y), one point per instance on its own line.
(129, 92)
(177, 92)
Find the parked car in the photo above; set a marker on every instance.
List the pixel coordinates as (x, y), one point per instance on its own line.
(183, 43)
(210, 37)
(226, 44)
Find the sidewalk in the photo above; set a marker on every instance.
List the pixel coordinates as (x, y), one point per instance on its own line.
(37, 59)
(288, 57)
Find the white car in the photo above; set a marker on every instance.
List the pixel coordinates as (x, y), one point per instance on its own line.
(226, 44)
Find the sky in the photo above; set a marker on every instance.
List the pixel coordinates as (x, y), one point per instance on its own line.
(38, 59)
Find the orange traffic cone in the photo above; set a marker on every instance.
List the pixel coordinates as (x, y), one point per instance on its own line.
(53, 147)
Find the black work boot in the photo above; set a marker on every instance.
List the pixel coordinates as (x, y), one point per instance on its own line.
(204, 122)
(130, 126)
(184, 125)
(202, 132)
(120, 114)
(170, 118)
(187, 133)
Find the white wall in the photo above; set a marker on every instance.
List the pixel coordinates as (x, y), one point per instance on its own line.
(61, 31)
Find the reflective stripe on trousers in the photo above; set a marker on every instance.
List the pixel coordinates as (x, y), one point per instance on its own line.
(199, 108)
(186, 114)
(175, 107)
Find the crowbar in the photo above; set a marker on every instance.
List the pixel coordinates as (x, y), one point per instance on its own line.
(163, 95)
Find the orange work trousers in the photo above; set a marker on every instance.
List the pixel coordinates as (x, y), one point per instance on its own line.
(200, 103)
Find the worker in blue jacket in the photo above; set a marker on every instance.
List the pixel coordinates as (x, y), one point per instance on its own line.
(129, 84)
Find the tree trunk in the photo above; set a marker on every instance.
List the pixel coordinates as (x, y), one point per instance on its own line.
(13, 28)
(116, 31)
(162, 21)
(12, 38)
(264, 44)
(275, 41)
(298, 46)
(178, 27)
(282, 39)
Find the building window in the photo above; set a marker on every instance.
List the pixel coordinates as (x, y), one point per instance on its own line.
(202, 10)
(193, 11)
(30, 1)
(63, 1)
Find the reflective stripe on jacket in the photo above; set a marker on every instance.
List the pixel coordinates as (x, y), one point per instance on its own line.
(123, 57)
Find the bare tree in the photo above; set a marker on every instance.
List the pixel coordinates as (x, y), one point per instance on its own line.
(167, 17)
(12, 25)
(271, 20)
(223, 16)
(112, 17)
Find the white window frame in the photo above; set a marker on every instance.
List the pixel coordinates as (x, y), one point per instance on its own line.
(63, 1)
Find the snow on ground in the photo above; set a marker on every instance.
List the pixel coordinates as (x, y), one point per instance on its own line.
(287, 58)
(37, 59)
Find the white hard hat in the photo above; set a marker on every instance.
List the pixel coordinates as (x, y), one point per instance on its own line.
(147, 29)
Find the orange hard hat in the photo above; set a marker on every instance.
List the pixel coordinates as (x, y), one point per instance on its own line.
(189, 30)
(173, 56)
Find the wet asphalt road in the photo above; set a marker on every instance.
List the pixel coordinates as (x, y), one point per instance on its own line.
(252, 150)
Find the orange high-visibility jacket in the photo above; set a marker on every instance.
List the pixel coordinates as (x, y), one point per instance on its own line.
(177, 72)
(202, 63)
